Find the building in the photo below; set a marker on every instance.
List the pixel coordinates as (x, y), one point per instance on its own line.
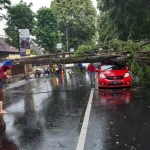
(6, 49)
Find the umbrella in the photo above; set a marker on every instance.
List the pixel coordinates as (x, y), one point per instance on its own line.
(3, 64)
(7, 63)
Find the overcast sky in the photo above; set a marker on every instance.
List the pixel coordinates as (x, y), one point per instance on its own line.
(35, 7)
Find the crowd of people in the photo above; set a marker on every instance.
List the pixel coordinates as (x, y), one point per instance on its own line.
(57, 69)
(54, 69)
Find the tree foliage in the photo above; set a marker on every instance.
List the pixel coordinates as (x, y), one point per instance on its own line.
(124, 19)
(47, 34)
(77, 20)
(19, 16)
(4, 4)
(139, 69)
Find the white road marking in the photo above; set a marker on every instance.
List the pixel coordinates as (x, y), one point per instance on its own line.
(82, 137)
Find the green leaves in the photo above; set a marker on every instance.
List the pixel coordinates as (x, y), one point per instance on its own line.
(78, 17)
(47, 34)
(4, 4)
(124, 19)
(19, 16)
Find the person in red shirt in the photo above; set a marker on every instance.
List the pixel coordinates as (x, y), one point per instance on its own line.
(4, 78)
(91, 70)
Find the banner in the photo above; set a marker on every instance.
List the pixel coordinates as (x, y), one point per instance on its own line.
(24, 46)
(71, 49)
(24, 41)
(24, 32)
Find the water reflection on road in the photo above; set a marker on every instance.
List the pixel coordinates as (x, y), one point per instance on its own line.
(115, 97)
(47, 113)
(119, 120)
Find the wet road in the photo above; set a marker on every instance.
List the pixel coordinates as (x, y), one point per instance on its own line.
(47, 113)
(119, 120)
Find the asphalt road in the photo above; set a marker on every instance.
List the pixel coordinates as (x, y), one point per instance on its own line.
(47, 113)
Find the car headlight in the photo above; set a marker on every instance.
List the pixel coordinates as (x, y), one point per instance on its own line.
(126, 75)
(102, 76)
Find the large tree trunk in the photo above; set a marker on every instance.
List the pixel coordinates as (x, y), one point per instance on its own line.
(27, 75)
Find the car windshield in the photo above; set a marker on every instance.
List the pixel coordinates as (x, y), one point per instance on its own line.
(112, 67)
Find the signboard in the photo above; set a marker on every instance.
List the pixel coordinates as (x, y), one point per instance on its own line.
(24, 32)
(24, 41)
(24, 46)
(59, 46)
(71, 49)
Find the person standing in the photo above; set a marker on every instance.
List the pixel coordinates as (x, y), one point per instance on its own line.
(80, 66)
(3, 77)
(91, 71)
(80, 74)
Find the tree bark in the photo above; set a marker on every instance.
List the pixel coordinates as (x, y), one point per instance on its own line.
(27, 75)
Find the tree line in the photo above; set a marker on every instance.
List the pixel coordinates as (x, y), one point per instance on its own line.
(73, 19)
(79, 22)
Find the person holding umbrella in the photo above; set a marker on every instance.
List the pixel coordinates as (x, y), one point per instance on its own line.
(4, 76)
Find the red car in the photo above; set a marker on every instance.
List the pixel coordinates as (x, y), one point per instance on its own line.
(114, 74)
(115, 97)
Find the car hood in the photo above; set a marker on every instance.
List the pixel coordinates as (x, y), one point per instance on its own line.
(114, 72)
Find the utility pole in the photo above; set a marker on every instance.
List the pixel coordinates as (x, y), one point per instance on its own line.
(67, 38)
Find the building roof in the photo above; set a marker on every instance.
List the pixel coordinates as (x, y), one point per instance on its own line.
(4, 47)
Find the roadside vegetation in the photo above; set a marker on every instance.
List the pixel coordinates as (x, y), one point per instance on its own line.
(116, 25)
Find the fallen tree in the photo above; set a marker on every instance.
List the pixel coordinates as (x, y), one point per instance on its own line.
(99, 57)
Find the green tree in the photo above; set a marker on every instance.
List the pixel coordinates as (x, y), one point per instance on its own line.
(19, 16)
(126, 19)
(77, 20)
(4, 4)
(105, 28)
(34, 52)
(47, 34)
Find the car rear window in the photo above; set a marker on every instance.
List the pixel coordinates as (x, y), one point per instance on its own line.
(112, 67)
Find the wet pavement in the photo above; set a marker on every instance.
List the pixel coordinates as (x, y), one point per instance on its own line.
(119, 120)
(47, 113)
